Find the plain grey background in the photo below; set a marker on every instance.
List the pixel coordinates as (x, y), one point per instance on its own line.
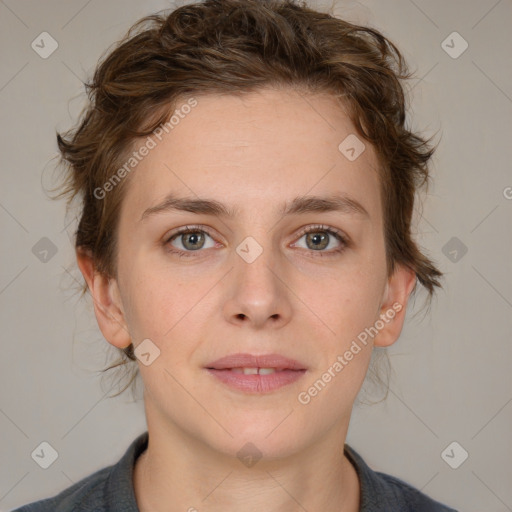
(452, 380)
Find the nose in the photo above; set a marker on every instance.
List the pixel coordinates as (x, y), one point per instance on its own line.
(257, 294)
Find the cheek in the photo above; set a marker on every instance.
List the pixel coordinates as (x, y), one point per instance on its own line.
(346, 302)
(167, 307)
(153, 304)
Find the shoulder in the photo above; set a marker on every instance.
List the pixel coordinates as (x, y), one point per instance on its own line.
(381, 492)
(87, 494)
(409, 497)
(109, 489)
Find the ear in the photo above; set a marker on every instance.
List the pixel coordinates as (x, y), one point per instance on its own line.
(394, 305)
(107, 301)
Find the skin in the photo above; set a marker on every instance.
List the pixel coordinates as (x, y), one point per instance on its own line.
(255, 153)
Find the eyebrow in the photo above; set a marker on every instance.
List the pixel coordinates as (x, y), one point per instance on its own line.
(300, 205)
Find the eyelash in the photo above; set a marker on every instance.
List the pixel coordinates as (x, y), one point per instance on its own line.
(310, 229)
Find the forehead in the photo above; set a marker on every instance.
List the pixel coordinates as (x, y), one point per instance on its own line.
(259, 149)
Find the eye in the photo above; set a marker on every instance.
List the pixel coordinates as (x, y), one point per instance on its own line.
(189, 239)
(320, 237)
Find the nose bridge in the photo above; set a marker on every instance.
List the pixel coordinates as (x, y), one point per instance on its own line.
(255, 264)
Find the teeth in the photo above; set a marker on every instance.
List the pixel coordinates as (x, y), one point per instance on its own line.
(254, 371)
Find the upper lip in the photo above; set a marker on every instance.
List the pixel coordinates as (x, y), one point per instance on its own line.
(240, 360)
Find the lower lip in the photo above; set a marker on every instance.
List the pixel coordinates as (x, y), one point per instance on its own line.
(257, 383)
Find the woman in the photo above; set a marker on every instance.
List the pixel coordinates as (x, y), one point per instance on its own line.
(247, 183)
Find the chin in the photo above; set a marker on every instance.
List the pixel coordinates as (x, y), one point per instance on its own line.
(271, 438)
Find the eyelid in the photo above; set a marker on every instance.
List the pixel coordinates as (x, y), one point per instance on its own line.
(302, 231)
(322, 227)
(187, 229)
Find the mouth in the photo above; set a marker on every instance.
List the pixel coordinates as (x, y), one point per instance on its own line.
(256, 373)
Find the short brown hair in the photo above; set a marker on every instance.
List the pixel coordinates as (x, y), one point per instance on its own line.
(234, 47)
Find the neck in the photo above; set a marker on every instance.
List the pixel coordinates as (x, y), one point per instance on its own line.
(178, 472)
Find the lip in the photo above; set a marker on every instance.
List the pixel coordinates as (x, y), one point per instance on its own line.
(241, 360)
(287, 371)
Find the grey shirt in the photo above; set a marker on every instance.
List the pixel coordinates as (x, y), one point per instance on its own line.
(111, 489)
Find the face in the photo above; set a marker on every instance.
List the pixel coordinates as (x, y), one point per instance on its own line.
(254, 279)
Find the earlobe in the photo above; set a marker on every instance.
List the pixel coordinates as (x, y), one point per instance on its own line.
(107, 301)
(394, 306)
